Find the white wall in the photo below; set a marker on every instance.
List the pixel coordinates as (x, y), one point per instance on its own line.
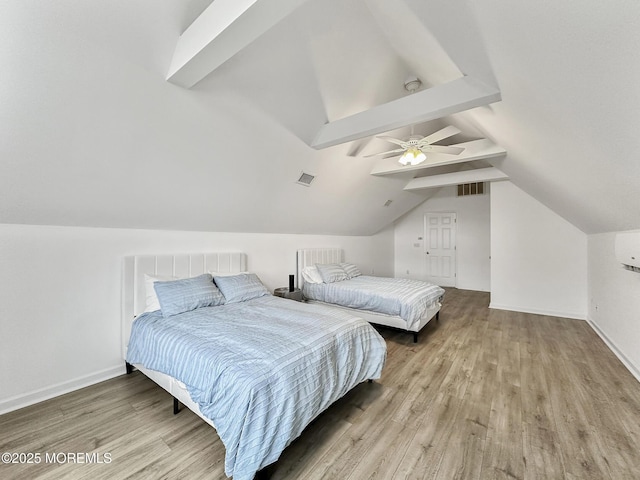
(614, 301)
(60, 293)
(472, 238)
(538, 259)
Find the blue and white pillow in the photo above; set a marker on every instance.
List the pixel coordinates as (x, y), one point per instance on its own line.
(240, 288)
(331, 272)
(351, 270)
(151, 299)
(179, 296)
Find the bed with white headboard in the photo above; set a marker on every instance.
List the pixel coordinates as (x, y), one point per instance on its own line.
(179, 265)
(134, 301)
(313, 256)
(276, 349)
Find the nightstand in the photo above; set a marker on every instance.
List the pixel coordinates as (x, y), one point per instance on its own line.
(285, 293)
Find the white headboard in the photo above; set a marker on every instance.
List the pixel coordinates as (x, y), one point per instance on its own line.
(311, 256)
(182, 265)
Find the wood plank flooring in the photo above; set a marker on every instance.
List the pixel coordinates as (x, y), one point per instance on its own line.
(484, 394)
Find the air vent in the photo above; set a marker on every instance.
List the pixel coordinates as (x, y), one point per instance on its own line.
(465, 189)
(305, 179)
(387, 203)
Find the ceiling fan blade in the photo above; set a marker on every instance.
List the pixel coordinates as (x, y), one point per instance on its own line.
(402, 143)
(399, 150)
(446, 132)
(441, 149)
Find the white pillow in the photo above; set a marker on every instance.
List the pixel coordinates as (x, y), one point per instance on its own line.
(311, 274)
(152, 303)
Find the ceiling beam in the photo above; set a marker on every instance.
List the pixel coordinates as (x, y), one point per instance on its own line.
(221, 31)
(456, 96)
(467, 176)
(482, 149)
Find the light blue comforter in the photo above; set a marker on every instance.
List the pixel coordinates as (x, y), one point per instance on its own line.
(261, 370)
(406, 298)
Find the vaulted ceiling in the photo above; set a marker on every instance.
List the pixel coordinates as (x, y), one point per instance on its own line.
(93, 134)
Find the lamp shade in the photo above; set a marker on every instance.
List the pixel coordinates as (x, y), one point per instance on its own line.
(413, 156)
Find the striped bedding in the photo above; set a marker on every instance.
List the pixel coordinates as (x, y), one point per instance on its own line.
(261, 370)
(406, 298)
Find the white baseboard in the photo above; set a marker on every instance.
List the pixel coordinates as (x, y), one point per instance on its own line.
(634, 369)
(473, 288)
(36, 396)
(536, 311)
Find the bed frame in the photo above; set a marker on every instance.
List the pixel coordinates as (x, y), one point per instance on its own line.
(134, 303)
(310, 256)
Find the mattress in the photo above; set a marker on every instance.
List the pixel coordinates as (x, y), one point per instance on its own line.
(403, 297)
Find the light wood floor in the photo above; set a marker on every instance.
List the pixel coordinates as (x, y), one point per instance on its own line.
(484, 394)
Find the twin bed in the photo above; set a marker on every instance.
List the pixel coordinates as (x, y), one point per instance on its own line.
(256, 367)
(393, 302)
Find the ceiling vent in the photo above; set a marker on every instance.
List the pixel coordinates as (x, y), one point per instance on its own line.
(305, 179)
(477, 188)
(387, 203)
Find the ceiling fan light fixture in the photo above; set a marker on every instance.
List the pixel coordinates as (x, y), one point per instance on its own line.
(413, 148)
(412, 156)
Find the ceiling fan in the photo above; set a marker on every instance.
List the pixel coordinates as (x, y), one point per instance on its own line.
(414, 149)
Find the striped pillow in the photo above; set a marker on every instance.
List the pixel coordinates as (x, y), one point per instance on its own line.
(179, 296)
(331, 272)
(152, 303)
(240, 288)
(351, 270)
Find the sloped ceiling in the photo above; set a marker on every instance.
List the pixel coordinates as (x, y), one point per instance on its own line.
(92, 134)
(570, 81)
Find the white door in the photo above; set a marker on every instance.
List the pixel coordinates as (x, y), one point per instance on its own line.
(440, 248)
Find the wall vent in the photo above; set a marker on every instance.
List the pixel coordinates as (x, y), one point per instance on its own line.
(305, 179)
(477, 188)
(387, 203)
